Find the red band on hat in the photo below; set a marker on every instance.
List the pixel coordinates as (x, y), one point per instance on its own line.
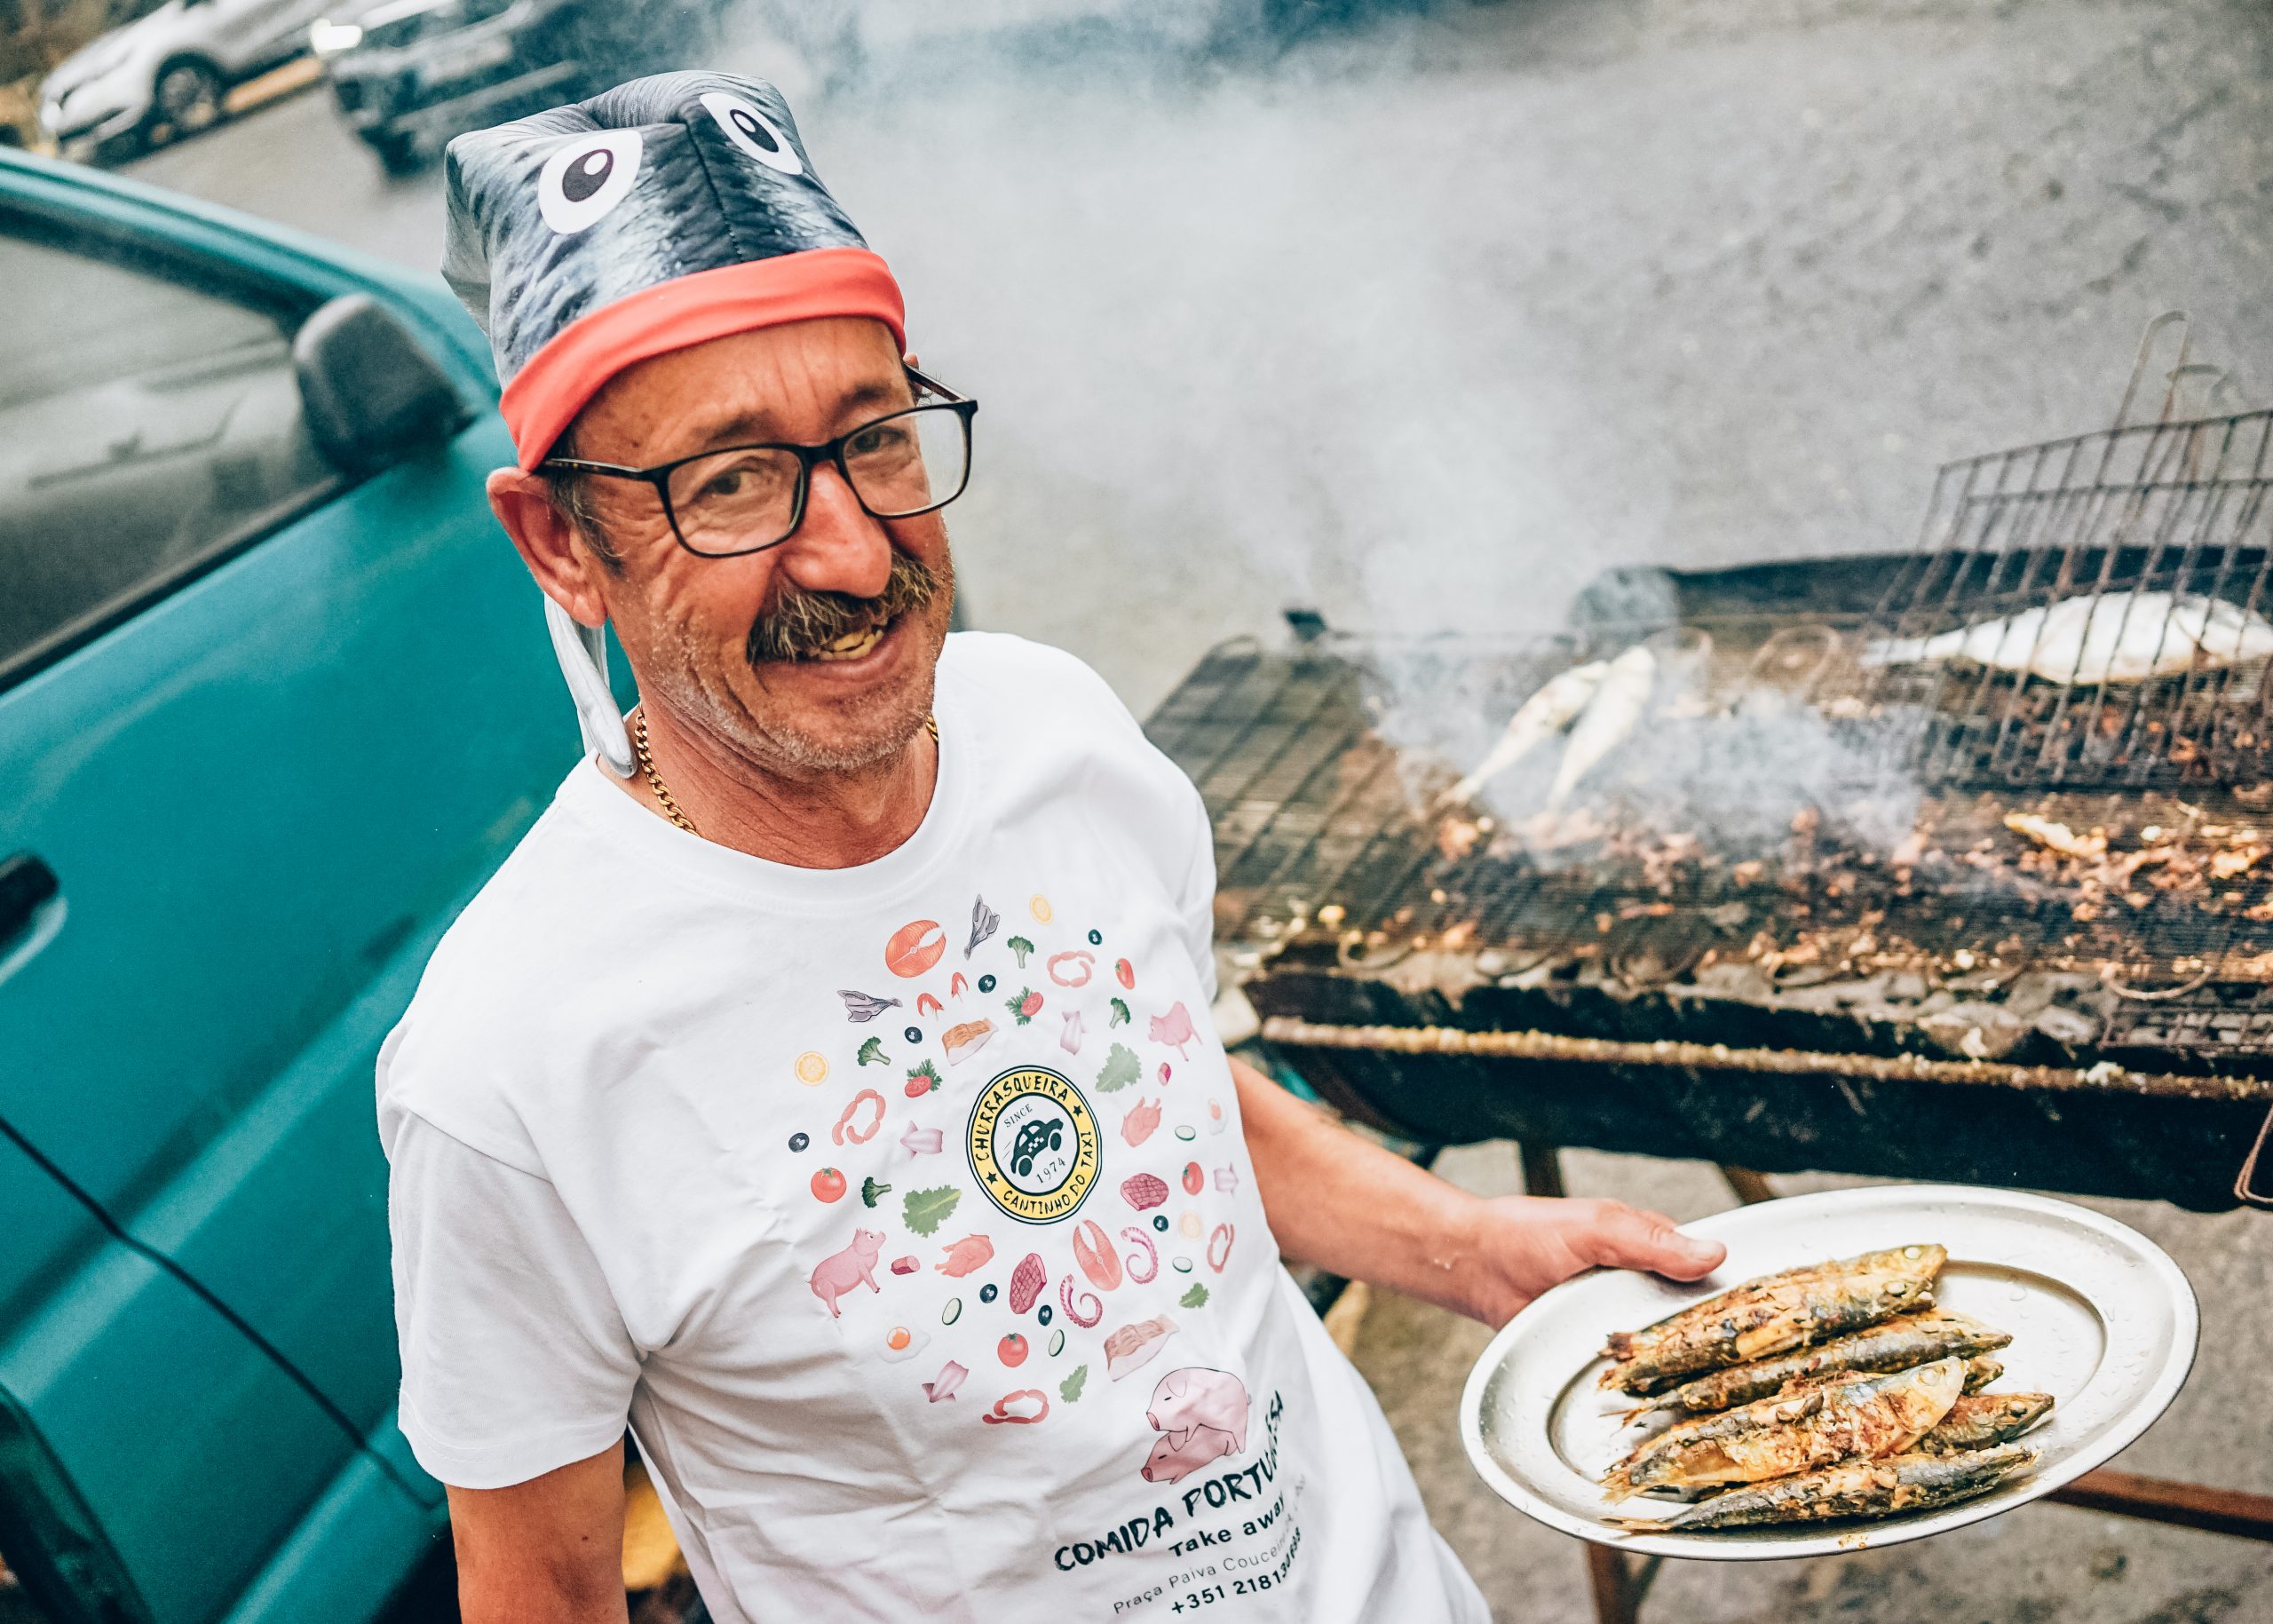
(547, 393)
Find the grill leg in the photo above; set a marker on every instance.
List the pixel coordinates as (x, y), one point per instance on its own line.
(1618, 1583)
(1542, 1165)
(2158, 1499)
(1751, 1188)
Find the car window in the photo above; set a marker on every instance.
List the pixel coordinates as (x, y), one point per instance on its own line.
(148, 426)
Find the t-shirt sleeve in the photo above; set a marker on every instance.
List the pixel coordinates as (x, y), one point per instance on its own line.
(515, 1359)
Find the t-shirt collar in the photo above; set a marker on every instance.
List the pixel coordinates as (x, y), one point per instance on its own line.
(589, 796)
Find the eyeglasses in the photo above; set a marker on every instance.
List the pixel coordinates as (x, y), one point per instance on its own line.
(744, 499)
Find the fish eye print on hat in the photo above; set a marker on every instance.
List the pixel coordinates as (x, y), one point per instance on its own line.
(660, 214)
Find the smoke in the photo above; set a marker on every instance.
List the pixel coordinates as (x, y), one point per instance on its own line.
(1221, 272)
(1735, 764)
(1234, 283)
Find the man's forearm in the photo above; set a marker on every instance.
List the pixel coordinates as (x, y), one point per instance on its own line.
(547, 1551)
(1345, 1205)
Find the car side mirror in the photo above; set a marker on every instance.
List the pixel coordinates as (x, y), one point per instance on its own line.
(370, 394)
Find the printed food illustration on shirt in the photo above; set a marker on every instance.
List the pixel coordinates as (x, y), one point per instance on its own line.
(1201, 1416)
(914, 947)
(855, 1265)
(1092, 1263)
(903, 1343)
(964, 1041)
(860, 1006)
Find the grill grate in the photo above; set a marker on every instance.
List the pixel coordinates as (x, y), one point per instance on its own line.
(2056, 564)
(2129, 531)
(1329, 832)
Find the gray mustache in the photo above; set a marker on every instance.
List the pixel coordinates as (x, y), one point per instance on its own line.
(803, 623)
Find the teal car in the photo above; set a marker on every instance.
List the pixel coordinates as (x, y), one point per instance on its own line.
(274, 697)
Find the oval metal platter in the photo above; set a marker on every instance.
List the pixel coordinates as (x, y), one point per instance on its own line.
(2101, 1319)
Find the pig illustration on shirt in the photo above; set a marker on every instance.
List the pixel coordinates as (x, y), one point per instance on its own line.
(855, 1265)
(1201, 1416)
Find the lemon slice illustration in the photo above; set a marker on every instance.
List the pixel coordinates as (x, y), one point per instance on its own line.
(813, 1067)
(1039, 907)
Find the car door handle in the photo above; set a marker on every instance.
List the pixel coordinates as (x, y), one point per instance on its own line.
(26, 883)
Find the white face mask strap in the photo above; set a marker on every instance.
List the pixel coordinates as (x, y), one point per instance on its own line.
(582, 653)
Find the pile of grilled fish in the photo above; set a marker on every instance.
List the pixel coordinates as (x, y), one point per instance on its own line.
(1838, 1390)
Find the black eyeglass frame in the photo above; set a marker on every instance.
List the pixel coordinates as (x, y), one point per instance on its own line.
(832, 451)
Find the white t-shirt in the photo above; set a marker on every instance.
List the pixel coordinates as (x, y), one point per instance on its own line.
(902, 1212)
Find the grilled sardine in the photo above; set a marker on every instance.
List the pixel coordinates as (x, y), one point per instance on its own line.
(1838, 1418)
(1854, 1489)
(1894, 1344)
(1537, 719)
(1981, 1371)
(1772, 1315)
(1989, 1419)
(1613, 711)
(2115, 637)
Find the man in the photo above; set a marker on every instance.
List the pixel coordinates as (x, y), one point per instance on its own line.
(830, 1099)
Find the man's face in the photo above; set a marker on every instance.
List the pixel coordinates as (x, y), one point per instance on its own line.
(838, 675)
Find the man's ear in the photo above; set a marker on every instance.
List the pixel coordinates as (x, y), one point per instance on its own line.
(546, 539)
(574, 611)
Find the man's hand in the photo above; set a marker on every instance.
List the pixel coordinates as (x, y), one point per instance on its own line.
(1524, 1244)
(1350, 1207)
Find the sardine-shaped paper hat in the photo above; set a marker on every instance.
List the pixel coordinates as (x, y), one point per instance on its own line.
(660, 214)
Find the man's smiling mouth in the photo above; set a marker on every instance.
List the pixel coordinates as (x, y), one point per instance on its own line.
(852, 645)
(836, 627)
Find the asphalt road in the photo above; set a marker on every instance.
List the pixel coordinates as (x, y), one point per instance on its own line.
(1425, 321)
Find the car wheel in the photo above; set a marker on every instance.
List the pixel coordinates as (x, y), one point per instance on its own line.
(187, 97)
(398, 154)
(115, 150)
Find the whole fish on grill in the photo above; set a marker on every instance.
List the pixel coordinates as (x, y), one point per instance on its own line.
(2115, 637)
(1892, 1345)
(1610, 717)
(1772, 1315)
(1840, 1418)
(1979, 1420)
(1539, 718)
(1854, 1489)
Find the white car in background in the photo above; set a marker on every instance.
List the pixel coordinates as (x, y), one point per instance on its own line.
(166, 74)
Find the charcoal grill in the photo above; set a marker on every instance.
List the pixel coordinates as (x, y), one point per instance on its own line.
(2004, 917)
(1785, 1004)
(1824, 910)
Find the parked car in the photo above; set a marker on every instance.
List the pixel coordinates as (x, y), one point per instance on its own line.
(275, 699)
(408, 74)
(167, 74)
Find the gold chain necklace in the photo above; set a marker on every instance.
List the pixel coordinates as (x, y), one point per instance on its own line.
(663, 790)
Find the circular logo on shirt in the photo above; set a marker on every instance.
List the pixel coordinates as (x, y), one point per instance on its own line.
(1034, 1144)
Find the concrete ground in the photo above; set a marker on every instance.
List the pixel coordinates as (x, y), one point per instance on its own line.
(1425, 319)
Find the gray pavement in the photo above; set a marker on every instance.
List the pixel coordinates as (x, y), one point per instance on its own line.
(1425, 321)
